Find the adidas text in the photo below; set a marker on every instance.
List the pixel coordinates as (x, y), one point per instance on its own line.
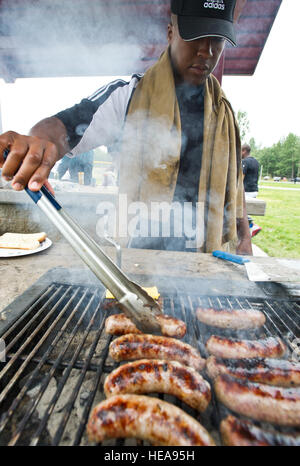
(216, 6)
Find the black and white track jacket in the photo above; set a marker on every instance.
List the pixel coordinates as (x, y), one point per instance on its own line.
(98, 120)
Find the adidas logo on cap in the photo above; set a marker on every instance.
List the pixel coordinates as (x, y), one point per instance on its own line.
(216, 5)
(202, 18)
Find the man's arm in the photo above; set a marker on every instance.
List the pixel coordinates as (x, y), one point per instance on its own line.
(244, 239)
(32, 157)
(52, 129)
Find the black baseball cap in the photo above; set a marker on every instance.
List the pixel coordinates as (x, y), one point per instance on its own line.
(203, 18)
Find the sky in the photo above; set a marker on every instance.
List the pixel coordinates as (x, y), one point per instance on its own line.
(270, 97)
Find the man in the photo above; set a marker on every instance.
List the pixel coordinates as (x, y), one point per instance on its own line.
(110, 176)
(177, 132)
(82, 163)
(250, 174)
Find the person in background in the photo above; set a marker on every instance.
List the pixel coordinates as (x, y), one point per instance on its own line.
(250, 174)
(180, 140)
(63, 167)
(110, 176)
(81, 163)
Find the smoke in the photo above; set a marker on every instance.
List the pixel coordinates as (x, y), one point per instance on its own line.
(70, 38)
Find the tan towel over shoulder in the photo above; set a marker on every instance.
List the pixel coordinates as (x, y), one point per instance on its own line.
(150, 157)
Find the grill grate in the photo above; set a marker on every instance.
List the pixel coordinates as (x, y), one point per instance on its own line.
(57, 359)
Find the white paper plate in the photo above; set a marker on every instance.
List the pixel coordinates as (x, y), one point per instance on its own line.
(24, 252)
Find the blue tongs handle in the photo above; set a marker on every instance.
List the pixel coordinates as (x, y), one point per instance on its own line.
(230, 257)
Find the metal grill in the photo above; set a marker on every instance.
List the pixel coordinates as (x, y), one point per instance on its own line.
(57, 359)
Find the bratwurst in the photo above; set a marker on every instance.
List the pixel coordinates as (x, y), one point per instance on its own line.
(158, 376)
(269, 371)
(231, 318)
(131, 346)
(259, 401)
(241, 433)
(145, 418)
(224, 347)
(120, 324)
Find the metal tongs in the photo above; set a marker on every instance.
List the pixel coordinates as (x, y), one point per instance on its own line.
(141, 308)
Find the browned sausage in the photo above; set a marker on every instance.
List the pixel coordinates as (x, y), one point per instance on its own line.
(120, 324)
(130, 347)
(259, 401)
(231, 318)
(159, 376)
(224, 347)
(241, 433)
(270, 371)
(145, 418)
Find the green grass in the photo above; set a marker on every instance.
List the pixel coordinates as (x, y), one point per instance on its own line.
(280, 234)
(280, 184)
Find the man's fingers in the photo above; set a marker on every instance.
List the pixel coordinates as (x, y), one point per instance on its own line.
(6, 140)
(29, 161)
(14, 159)
(29, 164)
(13, 162)
(41, 174)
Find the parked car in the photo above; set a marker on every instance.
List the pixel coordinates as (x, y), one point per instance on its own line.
(266, 177)
(276, 178)
(296, 180)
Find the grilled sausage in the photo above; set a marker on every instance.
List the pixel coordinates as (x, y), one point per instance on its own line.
(120, 324)
(130, 347)
(223, 347)
(270, 371)
(171, 327)
(241, 433)
(145, 418)
(154, 375)
(231, 318)
(259, 401)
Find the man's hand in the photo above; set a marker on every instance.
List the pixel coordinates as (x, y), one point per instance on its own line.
(29, 161)
(32, 157)
(244, 246)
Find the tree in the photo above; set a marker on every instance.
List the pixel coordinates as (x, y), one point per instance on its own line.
(282, 159)
(267, 158)
(290, 156)
(244, 125)
(254, 147)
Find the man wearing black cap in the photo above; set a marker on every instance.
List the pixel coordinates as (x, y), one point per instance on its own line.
(178, 137)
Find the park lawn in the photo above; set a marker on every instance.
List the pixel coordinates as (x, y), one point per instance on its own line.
(280, 184)
(280, 234)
